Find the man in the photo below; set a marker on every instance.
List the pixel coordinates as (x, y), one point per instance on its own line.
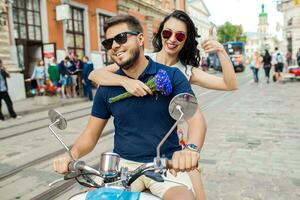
(288, 57)
(278, 64)
(88, 66)
(65, 77)
(140, 122)
(4, 93)
(76, 64)
(298, 57)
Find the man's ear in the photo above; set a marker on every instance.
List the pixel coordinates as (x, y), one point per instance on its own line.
(141, 39)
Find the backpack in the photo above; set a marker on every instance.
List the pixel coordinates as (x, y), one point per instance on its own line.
(279, 58)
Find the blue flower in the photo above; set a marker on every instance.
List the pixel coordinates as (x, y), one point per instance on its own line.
(162, 82)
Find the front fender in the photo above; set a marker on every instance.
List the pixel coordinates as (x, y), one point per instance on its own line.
(113, 194)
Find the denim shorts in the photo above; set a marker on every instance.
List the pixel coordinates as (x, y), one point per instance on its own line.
(63, 80)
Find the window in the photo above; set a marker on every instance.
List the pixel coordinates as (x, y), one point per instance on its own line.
(27, 20)
(75, 32)
(102, 19)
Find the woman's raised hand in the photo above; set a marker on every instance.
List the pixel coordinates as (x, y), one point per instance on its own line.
(211, 45)
(136, 87)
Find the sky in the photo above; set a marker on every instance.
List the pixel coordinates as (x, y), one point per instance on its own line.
(244, 12)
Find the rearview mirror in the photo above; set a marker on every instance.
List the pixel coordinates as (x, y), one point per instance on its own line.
(60, 121)
(185, 102)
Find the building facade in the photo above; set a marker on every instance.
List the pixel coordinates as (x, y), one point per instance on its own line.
(262, 39)
(199, 13)
(291, 25)
(43, 29)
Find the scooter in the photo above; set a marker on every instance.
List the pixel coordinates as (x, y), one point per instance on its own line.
(111, 181)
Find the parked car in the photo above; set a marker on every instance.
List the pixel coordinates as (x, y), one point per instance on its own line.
(295, 70)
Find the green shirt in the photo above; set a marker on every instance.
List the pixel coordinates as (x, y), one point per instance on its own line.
(53, 72)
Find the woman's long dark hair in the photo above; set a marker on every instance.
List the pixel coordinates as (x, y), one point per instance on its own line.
(189, 54)
(267, 58)
(267, 52)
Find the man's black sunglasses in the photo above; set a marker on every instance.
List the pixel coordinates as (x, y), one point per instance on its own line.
(121, 38)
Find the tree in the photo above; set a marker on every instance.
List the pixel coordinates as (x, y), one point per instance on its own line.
(229, 32)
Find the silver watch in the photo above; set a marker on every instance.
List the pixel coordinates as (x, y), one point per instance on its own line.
(193, 147)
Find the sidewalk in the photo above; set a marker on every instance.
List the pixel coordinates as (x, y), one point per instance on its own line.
(39, 103)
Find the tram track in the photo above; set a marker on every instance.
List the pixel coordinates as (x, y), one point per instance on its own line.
(43, 118)
(43, 125)
(16, 170)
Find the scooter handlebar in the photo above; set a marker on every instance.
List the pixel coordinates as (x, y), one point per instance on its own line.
(76, 165)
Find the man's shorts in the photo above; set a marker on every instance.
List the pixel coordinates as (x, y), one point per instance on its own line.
(157, 188)
(63, 80)
(66, 80)
(279, 67)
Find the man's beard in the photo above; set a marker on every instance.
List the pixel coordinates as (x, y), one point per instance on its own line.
(134, 55)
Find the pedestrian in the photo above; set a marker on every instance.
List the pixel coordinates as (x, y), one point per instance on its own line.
(267, 58)
(39, 74)
(65, 77)
(278, 64)
(288, 57)
(4, 93)
(298, 57)
(88, 66)
(175, 45)
(75, 68)
(53, 71)
(251, 62)
(140, 123)
(255, 65)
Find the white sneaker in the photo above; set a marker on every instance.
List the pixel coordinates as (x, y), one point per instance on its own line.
(18, 117)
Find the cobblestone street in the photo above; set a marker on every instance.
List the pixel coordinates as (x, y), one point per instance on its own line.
(252, 145)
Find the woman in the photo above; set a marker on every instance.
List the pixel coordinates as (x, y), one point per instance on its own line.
(175, 45)
(39, 73)
(256, 64)
(267, 58)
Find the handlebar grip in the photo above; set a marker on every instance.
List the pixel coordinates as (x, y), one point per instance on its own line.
(169, 164)
(76, 165)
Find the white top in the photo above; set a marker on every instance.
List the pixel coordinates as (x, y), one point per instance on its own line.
(187, 71)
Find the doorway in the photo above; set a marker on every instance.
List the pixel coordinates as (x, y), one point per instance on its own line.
(29, 53)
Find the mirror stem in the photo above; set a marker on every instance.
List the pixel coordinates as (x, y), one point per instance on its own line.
(178, 107)
(65, 146)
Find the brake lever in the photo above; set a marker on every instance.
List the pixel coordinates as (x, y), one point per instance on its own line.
(154, 176)
(72, 174)
(68, 176)
(56, 181)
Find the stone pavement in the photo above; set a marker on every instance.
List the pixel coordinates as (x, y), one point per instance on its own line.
(252, 145)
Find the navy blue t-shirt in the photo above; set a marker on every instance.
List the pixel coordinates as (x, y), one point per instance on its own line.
(141, 122)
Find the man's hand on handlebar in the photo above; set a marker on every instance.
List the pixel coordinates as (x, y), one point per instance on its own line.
(60, 164)
(184, 160)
